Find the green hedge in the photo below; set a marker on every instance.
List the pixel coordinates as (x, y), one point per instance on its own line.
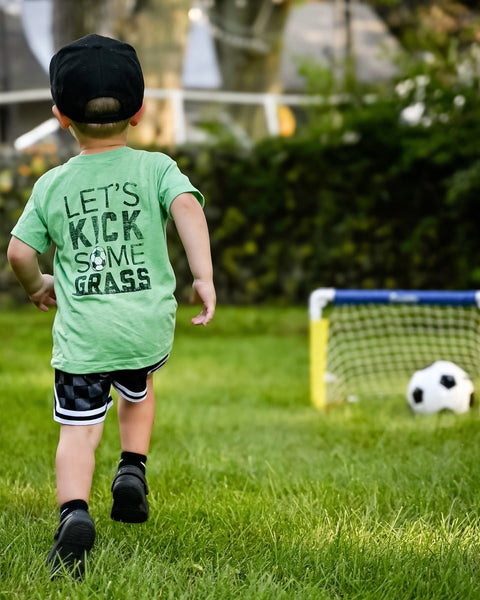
(392, 206)
(398, 208)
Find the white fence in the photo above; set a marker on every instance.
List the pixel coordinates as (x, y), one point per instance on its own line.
(178, 97)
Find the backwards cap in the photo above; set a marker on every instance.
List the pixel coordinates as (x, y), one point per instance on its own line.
(94, 67)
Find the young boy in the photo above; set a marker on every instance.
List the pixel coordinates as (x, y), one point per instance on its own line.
(106, 212)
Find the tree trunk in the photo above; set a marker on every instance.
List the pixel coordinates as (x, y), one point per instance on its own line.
(72, 19)
(158, 31)
(248, 39)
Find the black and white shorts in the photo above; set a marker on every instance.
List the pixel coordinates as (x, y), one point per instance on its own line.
(85, 399)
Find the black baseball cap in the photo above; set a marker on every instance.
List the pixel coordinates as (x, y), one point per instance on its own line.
(94, 67)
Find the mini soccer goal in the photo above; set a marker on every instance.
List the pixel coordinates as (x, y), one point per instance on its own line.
(369, 343)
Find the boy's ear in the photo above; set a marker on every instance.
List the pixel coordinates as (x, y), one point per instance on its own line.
(137, 116)
(64, 121)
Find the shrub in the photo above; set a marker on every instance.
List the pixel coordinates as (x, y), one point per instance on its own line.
(372, 202)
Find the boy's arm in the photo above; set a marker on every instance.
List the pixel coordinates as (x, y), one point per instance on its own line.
(193, 231)
(24, 262)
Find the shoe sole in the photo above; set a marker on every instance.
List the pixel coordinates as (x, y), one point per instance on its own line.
(129, 502)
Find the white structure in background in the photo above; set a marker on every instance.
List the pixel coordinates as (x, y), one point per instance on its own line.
(36, 134)
(200, 66)
(37, 27)
(316, 32)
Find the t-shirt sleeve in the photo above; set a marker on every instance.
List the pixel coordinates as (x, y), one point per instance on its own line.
(31, 228)
(173, 183)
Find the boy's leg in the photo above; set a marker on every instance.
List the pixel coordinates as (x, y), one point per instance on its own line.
(129, 486)
(135, 421)
(75, 463)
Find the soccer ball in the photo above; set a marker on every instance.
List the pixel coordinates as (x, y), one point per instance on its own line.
(98, 259)
(442, 385)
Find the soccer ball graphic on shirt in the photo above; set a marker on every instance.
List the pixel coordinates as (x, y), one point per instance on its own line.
(98, 259)
(442, 385)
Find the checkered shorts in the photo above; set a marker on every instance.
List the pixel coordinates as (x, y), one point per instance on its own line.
(85, 399)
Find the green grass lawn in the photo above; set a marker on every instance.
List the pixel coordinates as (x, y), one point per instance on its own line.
(254, 494)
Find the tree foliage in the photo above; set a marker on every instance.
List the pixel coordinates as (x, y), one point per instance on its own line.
(430, 24)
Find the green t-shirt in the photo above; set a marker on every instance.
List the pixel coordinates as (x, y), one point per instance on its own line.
(107, 214)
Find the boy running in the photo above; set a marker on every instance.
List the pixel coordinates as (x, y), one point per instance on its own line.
(106, 211)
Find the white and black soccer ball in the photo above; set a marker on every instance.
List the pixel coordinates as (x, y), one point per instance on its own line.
(98, 259)
(442, 385)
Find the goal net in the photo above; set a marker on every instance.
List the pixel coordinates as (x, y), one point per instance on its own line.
(369, 343)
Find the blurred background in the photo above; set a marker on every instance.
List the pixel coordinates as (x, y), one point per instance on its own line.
(202, 48)
(335, 140)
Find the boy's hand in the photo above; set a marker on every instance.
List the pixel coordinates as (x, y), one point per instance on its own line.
(24, 262)
(205, 292)
(45, 295)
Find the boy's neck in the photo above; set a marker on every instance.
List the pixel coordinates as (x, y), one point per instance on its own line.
(93, 146)
(89, 145)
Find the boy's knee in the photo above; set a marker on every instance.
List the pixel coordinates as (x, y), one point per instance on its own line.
(81, 434)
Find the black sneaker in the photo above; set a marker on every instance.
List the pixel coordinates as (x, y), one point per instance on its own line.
(73, 539)
(129, 489)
